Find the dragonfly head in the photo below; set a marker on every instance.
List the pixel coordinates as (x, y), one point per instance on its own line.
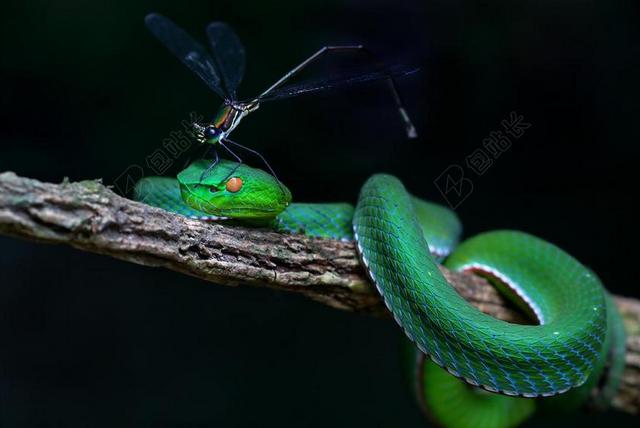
(233, 191)
(207, 133)
(212, 134)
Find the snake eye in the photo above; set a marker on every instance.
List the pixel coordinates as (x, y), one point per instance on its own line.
(213, 189)
(234, 184)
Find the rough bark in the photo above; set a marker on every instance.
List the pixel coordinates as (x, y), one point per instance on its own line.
(89, 216)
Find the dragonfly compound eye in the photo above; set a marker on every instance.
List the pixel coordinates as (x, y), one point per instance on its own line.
(211, 132)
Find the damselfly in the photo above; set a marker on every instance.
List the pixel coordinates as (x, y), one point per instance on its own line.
(223, 69)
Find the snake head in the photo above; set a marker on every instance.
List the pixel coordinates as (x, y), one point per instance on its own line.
(233, 190)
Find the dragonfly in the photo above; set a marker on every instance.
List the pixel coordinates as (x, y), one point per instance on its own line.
(223, 68)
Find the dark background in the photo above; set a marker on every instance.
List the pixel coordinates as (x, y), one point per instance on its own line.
(87, 92)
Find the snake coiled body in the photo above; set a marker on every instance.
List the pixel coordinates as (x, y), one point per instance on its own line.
(399, 240)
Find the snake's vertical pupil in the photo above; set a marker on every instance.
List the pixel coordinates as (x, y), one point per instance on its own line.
(234, 184)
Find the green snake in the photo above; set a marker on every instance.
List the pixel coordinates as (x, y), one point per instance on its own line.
(400, 239)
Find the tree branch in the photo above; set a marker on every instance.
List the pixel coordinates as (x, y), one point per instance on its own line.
(89, 216)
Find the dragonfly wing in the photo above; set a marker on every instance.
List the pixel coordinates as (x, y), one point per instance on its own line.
(191, 53)
(334, 82)
(229, 55)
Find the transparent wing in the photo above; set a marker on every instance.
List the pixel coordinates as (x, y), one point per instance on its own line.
(191, 53)
(334, 82)
(229, 55)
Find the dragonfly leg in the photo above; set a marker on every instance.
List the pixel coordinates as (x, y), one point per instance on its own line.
(215, 161)
(238, 159)
(410, 128)
(255, 153)
(211, 150)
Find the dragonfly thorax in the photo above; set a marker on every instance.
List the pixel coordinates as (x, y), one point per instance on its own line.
(228, 117)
